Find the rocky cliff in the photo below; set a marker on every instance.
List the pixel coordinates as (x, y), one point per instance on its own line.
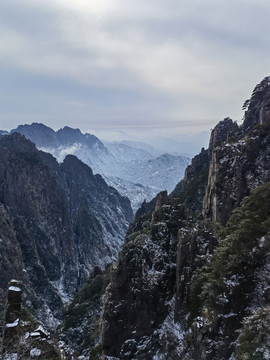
(192, 280)
(57, 223)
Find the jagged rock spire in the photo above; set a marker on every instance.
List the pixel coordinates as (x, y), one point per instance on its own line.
(222, 131)
(258, 111)
(12, 315)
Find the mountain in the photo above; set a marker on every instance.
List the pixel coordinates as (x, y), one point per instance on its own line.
(125, 152)
(137, 193)
(58, 222)
(123, 165)
(150, 151)
(192, 279)
(43, 136)
(160, 172)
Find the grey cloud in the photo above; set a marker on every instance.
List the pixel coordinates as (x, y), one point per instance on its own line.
(138, 63)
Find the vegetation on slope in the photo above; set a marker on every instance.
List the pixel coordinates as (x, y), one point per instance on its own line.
(224, 284)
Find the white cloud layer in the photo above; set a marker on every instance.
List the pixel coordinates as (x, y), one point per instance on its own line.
(103, 64)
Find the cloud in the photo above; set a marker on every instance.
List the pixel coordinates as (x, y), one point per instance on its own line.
(126, 63)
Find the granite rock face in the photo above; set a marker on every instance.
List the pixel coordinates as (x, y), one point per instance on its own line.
(142, 285)
(11, 265)
(223, 131)
(23, 337)
(258, 106)
(192, 279)
(58, 222)
(12, 316)
(236, 167)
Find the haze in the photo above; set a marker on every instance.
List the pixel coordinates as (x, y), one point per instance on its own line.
(140, 70)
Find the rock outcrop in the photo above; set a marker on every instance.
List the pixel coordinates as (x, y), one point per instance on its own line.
(58, 222)
(192, 280)
(23, 337)
(258, 107)
(12, 316)
(237, 166)
(142, 285)
(223, 131)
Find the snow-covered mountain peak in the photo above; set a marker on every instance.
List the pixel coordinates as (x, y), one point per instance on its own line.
(135, 169)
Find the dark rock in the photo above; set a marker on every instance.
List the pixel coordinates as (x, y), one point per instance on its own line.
(142, 283)
(195, 247)
(221, 273)
(58, 222)
(223, 131)
(258, 111)
(45, 137)
(12, 316)
(191, 189)
(235, 169)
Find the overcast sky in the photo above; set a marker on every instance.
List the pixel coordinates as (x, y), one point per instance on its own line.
(130, 66)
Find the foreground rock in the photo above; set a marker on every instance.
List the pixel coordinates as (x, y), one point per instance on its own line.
(192, 280)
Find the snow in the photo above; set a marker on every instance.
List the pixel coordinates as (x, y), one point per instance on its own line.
(231, 314)
(262, 241)
(59, 285)
(125, 167)
(168, 333)
(225, 159)
(14, 288)
(35, 334)
(137, 193)
(41, 329)
(14, 324)
(266, 354)
(10, 356)
(232, 282)
(35, 352)
(49, 319)
(262, 276)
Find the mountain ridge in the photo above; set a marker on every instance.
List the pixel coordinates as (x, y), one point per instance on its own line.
(192, 279)
(60, 220)
(123, 165)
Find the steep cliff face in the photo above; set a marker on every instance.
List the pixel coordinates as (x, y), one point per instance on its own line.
(142, 286)
(192, 278)
(11, 265)
(258, 106)
(192, 281)
(22, 337)
(232, 287)
(237, 166)
(58, 222)
(191, 189)
(223, 131)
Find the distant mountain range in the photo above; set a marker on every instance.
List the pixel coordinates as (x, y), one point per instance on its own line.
(137, 170)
